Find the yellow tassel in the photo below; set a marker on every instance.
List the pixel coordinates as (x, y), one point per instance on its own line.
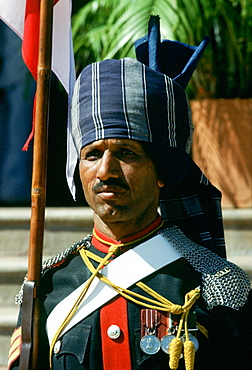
(175, 350)
(189, 354)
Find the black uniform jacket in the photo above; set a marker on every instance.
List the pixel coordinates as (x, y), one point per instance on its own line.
(227, 348)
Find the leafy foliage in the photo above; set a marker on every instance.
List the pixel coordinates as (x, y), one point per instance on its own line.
(108, 28)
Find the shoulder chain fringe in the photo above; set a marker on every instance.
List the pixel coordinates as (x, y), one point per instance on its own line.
(56, 261)
(223, 283)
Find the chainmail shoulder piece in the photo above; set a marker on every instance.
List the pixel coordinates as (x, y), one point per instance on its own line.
(56, 261)
(223, 283)
(62, 256)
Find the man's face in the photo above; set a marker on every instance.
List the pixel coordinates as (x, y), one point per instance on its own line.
(119, 181)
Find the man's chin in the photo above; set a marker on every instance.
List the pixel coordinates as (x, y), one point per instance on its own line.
(111, 213)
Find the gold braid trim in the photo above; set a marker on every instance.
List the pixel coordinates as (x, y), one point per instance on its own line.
(175, 349)
(189, 354)
(177, 343)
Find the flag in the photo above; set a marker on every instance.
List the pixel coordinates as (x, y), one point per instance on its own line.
(23, 17)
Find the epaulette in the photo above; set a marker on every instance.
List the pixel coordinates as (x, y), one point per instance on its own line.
(223, 283)
(55, 261)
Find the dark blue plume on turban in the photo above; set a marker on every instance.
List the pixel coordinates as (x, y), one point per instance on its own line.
(173, 58)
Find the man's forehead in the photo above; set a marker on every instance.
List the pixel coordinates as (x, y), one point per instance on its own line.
(114, 141)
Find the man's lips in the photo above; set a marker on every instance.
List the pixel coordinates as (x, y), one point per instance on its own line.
(109, 190)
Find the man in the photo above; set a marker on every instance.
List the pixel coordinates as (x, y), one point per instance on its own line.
(139, 293)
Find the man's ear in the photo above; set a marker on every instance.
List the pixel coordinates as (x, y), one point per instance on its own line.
(160, 183)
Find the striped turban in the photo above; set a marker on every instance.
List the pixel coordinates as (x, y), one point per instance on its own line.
(125, 99)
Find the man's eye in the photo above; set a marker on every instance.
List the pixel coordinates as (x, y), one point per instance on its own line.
(125, 151)
(92, 155)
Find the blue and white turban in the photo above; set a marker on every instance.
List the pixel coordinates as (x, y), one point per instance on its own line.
(125, 99)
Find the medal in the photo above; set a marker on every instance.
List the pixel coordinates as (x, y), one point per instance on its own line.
(165, 342)
(150, 344)
(171, 329)
(193, 339)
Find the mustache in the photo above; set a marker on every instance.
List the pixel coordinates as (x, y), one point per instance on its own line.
(111, 182)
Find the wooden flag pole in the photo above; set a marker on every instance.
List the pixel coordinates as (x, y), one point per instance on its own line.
(30, 311)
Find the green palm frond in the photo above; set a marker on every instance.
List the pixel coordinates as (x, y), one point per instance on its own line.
(108, 29)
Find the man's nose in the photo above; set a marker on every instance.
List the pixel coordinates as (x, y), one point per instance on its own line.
(108, 166)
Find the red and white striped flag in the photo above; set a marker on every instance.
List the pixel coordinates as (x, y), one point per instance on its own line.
(23, 17)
